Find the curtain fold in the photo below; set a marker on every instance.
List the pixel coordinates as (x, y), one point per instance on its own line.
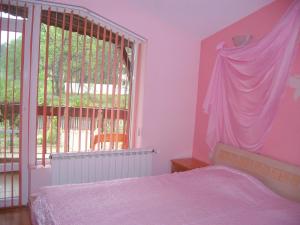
(247, 83)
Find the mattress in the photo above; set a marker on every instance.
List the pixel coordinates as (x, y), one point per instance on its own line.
(212, 195)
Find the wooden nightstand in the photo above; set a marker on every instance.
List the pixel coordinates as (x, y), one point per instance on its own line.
(180, 165)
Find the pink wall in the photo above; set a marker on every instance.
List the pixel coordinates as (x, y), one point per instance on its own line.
(168, 90)
(283, 141)
(169, 79)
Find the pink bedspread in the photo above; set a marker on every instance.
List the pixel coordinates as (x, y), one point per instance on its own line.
(209, 196)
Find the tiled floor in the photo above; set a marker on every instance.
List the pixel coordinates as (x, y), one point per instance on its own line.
(15, 216)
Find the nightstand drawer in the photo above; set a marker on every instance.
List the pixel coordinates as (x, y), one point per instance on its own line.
(178, 168)
(180, 165)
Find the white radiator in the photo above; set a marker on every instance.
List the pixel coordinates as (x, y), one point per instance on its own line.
(72, 168)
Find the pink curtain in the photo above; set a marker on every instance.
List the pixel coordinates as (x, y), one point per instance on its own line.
(247, 83)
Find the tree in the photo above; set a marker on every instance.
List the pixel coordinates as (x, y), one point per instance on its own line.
(58, 56)
(10, 68)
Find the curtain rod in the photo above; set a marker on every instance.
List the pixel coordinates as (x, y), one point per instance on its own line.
(90, 13)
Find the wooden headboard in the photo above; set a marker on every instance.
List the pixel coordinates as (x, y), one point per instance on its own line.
(281, 177)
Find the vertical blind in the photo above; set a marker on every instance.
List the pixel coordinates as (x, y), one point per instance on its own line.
(84, 85)
(82, 73)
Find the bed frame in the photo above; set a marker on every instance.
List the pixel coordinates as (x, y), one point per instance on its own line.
(281, 177)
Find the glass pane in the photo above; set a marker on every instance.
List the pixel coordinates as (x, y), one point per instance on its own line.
(10, 86)
(84, 88)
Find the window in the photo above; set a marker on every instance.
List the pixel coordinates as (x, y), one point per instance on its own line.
(84, 86)
(66, 85)
(11, 76)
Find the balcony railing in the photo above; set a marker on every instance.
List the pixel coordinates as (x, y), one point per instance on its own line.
(89, 129)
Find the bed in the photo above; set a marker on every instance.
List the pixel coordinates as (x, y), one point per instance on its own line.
(240, 188)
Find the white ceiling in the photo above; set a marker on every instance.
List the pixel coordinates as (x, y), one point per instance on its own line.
(200, 17)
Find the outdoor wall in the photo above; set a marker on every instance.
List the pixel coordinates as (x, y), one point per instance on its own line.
(168, 90)
(283, 141)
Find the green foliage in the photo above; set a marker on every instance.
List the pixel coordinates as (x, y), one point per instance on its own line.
(10, 68)
(80, 52)
(10, 79)
(39, 138)
(51, 132)
(13, 64)
(12, 92)
(84, 68)
(83, 51)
